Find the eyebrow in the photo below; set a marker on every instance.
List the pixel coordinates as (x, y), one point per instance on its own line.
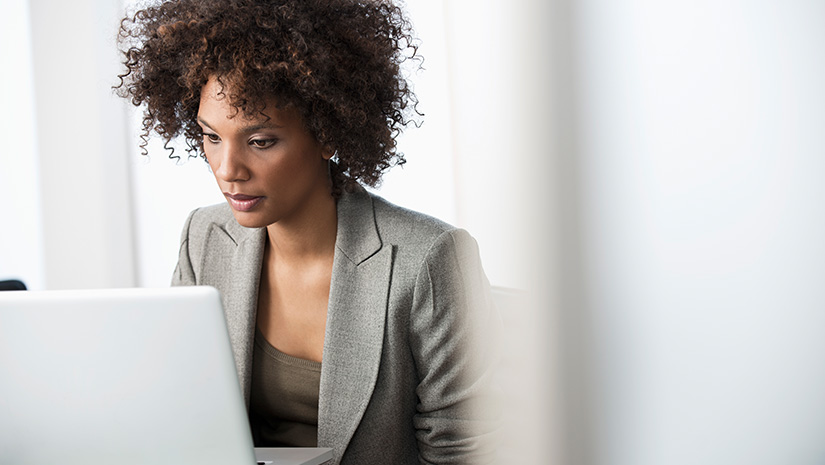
(245, 129)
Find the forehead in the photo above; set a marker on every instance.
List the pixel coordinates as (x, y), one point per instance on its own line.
(215, 108)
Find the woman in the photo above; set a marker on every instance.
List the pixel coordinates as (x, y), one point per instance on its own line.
(355, 324)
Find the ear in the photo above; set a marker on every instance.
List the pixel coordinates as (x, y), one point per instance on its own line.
(328, 153)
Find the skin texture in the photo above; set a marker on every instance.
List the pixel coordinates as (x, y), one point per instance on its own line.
(271, 156)
(275, 174)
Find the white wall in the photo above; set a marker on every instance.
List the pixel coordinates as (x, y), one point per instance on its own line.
(490, 146)
(426, 182)
(702, 185)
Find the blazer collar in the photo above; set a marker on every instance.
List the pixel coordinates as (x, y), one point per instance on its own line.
(357, 236)
(237, 233)
(355, 321)
(233, 265)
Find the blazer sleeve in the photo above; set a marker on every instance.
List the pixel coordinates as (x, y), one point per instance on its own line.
(184, 274)
(452, 339)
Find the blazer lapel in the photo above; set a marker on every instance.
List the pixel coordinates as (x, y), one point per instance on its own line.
(234, 267)
(355, 321)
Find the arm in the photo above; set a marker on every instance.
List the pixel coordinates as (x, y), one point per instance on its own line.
(451, 339)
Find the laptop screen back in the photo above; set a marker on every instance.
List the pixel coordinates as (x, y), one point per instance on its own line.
(119, 376)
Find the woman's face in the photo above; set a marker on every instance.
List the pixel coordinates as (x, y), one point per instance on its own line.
(270, 170)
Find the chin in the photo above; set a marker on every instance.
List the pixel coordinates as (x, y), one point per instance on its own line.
(250, 221)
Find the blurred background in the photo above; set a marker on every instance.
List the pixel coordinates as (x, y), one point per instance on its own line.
(649, 175)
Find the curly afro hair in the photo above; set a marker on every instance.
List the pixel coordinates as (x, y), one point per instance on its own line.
(337, 61)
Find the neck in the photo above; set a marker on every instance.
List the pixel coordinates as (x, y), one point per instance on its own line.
(310, 237)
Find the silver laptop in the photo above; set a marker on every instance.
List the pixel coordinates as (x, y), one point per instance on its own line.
(127, 376)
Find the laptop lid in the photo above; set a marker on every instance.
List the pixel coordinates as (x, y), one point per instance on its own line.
(119, 376)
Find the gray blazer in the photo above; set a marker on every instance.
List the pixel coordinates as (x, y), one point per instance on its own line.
(406, 367)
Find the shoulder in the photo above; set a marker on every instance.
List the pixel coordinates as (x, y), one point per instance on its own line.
(201, 217)
(204, 221)
(401, 225)
(193, 240)
(423, 240)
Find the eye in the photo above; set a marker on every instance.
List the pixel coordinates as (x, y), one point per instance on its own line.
(211, 138)
(262, 143)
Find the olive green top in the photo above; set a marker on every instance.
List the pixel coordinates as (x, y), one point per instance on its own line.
(283, 404)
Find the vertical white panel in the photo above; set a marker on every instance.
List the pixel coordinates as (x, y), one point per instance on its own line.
(20, 222)
(506, 145)
(703, 179)
(490, 147)
(84, 179)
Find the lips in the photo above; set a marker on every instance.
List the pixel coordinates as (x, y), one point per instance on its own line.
(242, 202)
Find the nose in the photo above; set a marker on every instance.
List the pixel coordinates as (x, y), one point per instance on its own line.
(228, 163)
